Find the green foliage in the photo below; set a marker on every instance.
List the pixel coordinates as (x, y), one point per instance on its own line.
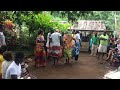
(71, 15)
(35, 20)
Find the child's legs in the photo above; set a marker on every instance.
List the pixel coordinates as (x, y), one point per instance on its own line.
(76, 57)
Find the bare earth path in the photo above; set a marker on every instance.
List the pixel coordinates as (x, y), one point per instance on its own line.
(86, 68)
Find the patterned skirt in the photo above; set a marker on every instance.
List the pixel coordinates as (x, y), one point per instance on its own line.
(40, 56)
(55, 51)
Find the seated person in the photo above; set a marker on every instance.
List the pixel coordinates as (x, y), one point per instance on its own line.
(115, 58)
(25, 72)
(113, 46)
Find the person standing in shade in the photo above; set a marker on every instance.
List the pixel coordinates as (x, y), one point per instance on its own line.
(94, 44)
(14, 70)
(1, 61)
(8, 60)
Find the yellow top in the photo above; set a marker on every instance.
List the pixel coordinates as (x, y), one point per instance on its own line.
(73, 42)
(1, 60)
(73, 35)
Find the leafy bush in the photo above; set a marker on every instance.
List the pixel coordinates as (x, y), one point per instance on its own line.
(29, 26)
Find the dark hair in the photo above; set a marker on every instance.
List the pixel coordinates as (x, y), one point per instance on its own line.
(1, 50)
(104, 32)
(73, 31)
(19, 56)
(51, 30)
(95, 34)
(1, 26)
(77, 31)
(112, 35)
(7, 55)
(4, 48)
(40, 32)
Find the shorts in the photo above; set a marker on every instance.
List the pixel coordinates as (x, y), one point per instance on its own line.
(102, 49)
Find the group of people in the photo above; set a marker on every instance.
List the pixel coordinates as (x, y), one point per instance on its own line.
(68, 45)
(58, 45)
(12, 67)
(15, 68)
(104, 44)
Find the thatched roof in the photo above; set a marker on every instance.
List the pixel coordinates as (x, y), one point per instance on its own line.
(89, 25)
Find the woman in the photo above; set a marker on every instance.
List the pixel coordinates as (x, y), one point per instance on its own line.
(8, 60)
(40, 54)
(76, 49)
(14, 70)
(115, 57)
(114, 44)
(56, 50)
(67, 46)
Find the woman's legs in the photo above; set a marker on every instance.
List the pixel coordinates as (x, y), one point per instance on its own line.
(76, 57)
(109, 54)
(37, 61)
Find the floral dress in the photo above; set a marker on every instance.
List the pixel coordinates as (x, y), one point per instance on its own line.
(40, 54)
(67, 45)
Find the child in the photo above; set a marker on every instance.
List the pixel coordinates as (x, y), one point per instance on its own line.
(25, 72)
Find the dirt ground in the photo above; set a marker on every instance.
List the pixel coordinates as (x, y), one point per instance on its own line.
(86, 68)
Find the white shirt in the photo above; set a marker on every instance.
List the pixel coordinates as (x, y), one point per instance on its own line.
(77, 37)
(13, 69)
(5, 66)
(48, 36)
(55, 39)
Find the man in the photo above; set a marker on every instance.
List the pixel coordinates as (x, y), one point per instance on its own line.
(102, 49)
(94, 44)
